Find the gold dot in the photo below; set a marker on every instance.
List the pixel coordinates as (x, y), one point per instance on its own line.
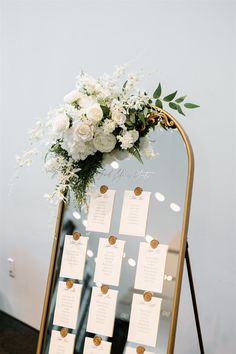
(112, 240)
(148, 296)
(104, 289)
(64, 332)
(97, 340)
(138, 191)
(69, 283)
(103, 189)
(154, 243)
(140, 350)
(76, 235)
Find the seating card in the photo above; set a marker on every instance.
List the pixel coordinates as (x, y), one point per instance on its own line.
(73, 259)
(100, 211)
(91, 348)
(67, 305)
(61, 345)
(109, 261)
(134, 213)
(144, 320)
(151, 267)
(102, 312)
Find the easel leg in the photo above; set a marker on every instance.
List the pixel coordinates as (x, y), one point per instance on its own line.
(194, 301)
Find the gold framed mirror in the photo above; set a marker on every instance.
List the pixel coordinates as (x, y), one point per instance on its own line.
(169, 179)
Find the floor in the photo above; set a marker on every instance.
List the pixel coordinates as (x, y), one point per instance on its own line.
(16, 337)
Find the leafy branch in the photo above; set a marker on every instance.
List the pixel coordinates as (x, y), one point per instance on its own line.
(173, 102)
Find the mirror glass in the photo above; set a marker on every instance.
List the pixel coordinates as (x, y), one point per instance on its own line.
(165, 176)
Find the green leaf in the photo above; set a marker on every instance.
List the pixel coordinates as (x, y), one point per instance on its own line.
(145, 111)
(124, 86)
(157, 92)
(129, 123)
(173, 105)
(170, 97)
(180, 99)
(135, 152)
(141, 117)
(158, 103)
(180, 110)
(191, 105)
(132, 118)
(105, 110)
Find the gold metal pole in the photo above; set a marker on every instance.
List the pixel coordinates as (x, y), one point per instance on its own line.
(50, 278)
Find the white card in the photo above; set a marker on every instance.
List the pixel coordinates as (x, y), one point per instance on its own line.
(91, 348)
(144, 320)
(61, 345)
(67, 305)
(130, 350)
(151, 267)
(134, 213)
(102, 312)
(109, 262)
(100, 211)
(73, 258)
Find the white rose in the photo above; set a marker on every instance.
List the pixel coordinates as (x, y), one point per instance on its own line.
(118, 117)
(86, 101)
(104, 142)
(72, 96)
(60, 123)
(84, 131)
(81, 150)
(94, 113)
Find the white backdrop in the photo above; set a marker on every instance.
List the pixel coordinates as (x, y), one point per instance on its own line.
(185, 44)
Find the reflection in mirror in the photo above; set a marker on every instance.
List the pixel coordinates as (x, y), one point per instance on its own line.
(165, 177)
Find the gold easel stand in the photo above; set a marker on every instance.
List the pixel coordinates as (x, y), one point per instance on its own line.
(194, 300)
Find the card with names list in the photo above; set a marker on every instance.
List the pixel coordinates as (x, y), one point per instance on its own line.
(67, 305)
(134, 214)
(61, 345)
(109, 262)
(144, 320)
(73, 258)
(151, 267)
(102, 312)
(91, 348)
(100, 211)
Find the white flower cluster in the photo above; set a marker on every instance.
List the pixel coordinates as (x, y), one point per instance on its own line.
(81, 125)
(99, 115)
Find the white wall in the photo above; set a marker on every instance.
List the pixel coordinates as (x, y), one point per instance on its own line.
(186, 44)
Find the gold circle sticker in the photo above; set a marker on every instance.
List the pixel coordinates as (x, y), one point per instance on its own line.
(140, 350)
(97, 340)
(69, 283)
(104, 289)
(64, 332)
(148, 296)
(76, 235)
(138, 191)
(112, 240)
(154, 243)
(103, 189)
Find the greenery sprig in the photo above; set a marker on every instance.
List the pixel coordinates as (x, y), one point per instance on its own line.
(173, 102)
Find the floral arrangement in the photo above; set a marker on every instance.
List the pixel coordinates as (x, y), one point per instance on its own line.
(101, 119)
